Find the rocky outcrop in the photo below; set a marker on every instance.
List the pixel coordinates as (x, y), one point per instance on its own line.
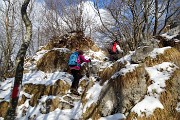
(173, 42)
(121, 93)
(171, 37)
(123, 82)
(54, 60)
(106, 73)
(169, 55)
(51, 104)
(60, 87)
(141, 53)
(158, 41)
(71, 41)
(170, 97)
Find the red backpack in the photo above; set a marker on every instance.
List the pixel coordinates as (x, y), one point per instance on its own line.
(114, 47)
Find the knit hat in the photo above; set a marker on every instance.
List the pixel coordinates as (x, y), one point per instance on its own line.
(80, 52)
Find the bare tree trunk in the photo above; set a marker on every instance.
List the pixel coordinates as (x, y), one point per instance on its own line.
(134, 26)
(144, 29)
(7, 52)
(20, 63)
(156, 18)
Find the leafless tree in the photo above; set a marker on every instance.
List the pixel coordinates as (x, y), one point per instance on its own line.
(171, 8)
(20, 62)
(68, 13)
(8, 25)
(137, 20)
(71, 14)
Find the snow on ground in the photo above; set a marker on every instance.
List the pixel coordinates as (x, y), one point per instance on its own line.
(169, 37)
(92, 95)
(68, 114)
(126, 58)
(57, 114)
(40, 54)
(97, 56)
(128, 68)
(178, 107)
(158, 51)
(158, 74)
(65, 50)
(40, 77)
(117, 116)
(147, 105)
(5, 89)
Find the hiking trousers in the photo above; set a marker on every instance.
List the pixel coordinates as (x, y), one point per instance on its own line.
(77, 76)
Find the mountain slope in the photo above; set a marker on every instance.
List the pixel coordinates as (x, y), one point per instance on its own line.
(117, 90)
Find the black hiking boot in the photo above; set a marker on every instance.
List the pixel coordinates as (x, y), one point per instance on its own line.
(75, 92)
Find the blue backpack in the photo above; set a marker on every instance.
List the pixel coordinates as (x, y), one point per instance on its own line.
(73, 59)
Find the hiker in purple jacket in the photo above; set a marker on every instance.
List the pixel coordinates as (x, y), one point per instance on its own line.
(75, 70)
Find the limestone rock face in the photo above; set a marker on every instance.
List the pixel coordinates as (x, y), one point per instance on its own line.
(171, 37)
(170, 55)
(170, 97)
(51, 104)
(123, 92)
(54, 60)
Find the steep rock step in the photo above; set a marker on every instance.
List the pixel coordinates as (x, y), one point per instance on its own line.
(71, 98)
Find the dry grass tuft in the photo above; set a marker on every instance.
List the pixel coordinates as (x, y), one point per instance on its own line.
(3, 108)
(170, 55)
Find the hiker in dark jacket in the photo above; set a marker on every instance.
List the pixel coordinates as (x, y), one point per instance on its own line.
(75, 70)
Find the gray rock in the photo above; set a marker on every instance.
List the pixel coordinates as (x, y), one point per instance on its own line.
(65, 105)
(121, 94)
(141, 53)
